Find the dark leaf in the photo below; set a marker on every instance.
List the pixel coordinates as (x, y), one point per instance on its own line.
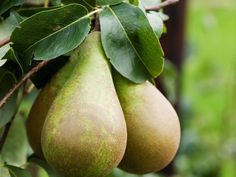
(12, 58)
(108, 2)
(134, 50)
(27, 12)
(17, 172)
(51, 33)
(7, 4)
(44, 75)
(7, 80)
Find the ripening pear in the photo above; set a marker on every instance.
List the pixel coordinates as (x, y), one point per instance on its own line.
(84, 134)
(42, 104)
(152, 125)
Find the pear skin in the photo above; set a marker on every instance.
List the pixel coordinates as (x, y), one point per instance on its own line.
(85, 134)
(38, 112)
(152, 125)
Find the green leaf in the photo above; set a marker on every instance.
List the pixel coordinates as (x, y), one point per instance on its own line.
(7, 80)
(3, 50)
(130, 42)
(2, 62)
(27, 12)
(3, 171)
(7, 4)
(149, 3)
(156, 22)
(134, 2)
(44, 165)
(17, 172)
(44, 75)
(108, 2)
(8, 25)
(14, 60)
(89, 4)
(51, 33)
(15, 148)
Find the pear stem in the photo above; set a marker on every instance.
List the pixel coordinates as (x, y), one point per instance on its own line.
(161, 5)
(93, 12)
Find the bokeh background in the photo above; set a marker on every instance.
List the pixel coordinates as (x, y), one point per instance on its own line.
(207, 97)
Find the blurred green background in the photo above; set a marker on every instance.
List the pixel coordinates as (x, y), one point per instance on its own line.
(209, 91)
(208, 146)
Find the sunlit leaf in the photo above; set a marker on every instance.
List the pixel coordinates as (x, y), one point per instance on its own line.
(51, 33)
(156, 22)
(8, 25)
(149, 3)
(130, 42)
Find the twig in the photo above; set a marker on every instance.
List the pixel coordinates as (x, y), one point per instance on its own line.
(4, 41)
(161, 5)
(6, 131)
(22, 81)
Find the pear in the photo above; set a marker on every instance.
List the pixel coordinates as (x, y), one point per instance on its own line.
(152, 125)
(84, 134)
(38, 112)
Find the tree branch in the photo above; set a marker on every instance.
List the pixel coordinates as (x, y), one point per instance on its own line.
(4, 41)
(22, 81)
(161, 5)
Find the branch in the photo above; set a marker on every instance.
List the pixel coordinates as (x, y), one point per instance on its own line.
(4, 41)
(161, 5)
(22, 81)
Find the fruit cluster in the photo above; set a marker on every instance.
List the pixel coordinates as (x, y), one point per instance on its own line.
(87, 121)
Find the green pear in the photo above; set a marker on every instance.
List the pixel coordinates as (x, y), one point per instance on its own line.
(38, 112)
(152, 125)
(85, 133)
